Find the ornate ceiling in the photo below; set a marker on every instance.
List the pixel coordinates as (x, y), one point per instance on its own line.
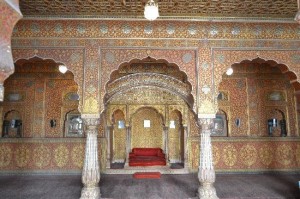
(169, 9)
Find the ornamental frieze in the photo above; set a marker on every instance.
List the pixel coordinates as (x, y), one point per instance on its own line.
(156, 80)
(159, 29)
(151, 95)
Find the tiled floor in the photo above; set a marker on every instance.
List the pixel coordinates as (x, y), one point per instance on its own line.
(228, 186)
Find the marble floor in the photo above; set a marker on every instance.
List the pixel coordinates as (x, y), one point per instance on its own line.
(228, 186)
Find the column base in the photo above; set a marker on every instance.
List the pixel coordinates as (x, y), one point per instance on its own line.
(107, 164)
(90, 193)
(207, 191)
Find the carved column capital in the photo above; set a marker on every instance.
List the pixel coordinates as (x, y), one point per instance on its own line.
(91, 123)
(206, 123)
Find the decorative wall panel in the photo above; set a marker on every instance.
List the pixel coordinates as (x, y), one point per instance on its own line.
(43, 155)
(144, 137)
(244, 155)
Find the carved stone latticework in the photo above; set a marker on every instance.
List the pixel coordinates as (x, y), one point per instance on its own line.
(206, 173)
(91, 172)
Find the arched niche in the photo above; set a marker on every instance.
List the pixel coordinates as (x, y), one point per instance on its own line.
(12, 124)
(118, 137)
(255, 89)
(43, 95)
(72, 58)
(176, 137)
(147, 129)
(220, 124)
(73, 124)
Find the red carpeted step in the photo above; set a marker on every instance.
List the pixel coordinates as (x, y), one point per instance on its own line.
(143, 175)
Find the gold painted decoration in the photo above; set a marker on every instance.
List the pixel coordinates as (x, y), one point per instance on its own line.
(266, 154)
(298, 154)
(78, 156)
(90, 105)
(22, 155)
(248, 155)
(61, 156)
(147, 136)
(207, 107)
(216, 154)
(230, 154)
(5, 155)
(146, 96)
(284, 154)
(41, 156)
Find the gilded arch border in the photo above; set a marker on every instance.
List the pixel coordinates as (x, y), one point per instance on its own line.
(112, 58)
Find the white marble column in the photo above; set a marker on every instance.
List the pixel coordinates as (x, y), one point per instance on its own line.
(185, 131)
(128, 144)
(91, 172)
(108, 138)
(166, 143)
(206, 173)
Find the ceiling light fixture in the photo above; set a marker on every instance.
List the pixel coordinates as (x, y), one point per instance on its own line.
(229, 71)
(151, 10)
(63, 69)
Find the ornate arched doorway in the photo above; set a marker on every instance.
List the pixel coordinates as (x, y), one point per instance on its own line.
(155, 99)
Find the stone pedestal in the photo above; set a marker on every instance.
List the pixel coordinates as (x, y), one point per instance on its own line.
(91, 171)
(206, 173)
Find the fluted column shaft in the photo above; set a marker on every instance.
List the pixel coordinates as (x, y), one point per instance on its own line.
(166, 143)
(108, 155)
(185, 147)
(206, 173)
(128, 144)
(91, 172)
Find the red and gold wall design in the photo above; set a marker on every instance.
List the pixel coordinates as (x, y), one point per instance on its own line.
(249, 98)
(230, 155)
(203, 50)
(45, 155)
(246, 154)
(43, 99)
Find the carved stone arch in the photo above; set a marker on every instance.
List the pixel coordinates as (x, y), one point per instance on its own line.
(111, 110)
(160, 109)
(182, 110)
(12, 113)
(223, 59)
(149, 72)
(72, 58)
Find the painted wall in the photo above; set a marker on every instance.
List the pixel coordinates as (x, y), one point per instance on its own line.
(203, 50)
(253, 94)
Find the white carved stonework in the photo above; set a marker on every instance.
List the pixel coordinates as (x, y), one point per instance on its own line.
(91, 169)
(297, 17)
(1, 92)
(206, 173)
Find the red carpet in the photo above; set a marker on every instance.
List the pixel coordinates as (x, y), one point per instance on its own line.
(143, 175)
